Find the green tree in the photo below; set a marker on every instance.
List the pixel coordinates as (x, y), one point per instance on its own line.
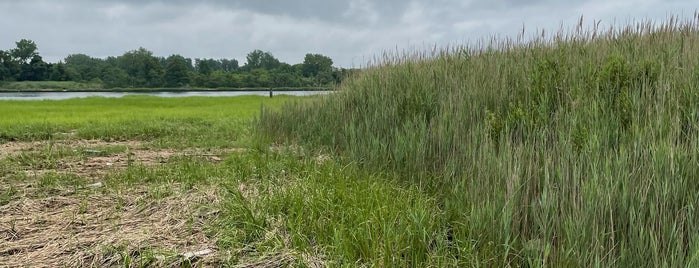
(204, 66)
(36, 70)
(319, 68)
(4, 71)
(88, 68)
(285, 76)
(254, 60)
(218, 79)
(260, 78)
(60, 72)
(115, 77)
(236, 80)
(139, 68)
(25, 51)
(229, 65)
(176, 71)
(314, 64)
(143, 69)
(258, 59)
(9, 68)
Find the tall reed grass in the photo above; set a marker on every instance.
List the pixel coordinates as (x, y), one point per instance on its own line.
(577, 149)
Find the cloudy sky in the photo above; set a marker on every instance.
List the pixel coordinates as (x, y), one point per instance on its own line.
(351, 32)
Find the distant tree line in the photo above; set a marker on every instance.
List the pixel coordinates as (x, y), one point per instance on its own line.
(139, 68)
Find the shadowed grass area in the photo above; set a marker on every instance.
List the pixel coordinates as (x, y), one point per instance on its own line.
(574, 150)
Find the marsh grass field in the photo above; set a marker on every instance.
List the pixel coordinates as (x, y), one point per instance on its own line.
(147, 181)
(171, 182)
(575, 150)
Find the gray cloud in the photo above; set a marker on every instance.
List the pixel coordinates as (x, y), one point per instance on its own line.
(351, 32)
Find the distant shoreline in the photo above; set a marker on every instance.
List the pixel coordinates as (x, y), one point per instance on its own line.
(154, 90)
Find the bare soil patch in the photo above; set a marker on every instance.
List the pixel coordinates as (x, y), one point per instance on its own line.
(104, 229)
(12, 148)
(96, 162)
(96, 166)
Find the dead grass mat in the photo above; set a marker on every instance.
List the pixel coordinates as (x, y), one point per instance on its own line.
(99, 229)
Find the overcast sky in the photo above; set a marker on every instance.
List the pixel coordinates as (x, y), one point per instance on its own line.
(351, 32)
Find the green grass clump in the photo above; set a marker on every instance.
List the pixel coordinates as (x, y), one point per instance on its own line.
(576, 150)
(339, 214)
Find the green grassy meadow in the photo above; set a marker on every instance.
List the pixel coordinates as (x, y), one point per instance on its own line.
(97, 173)
(183, 121)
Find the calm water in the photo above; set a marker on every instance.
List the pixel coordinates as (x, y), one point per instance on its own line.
(72, 95)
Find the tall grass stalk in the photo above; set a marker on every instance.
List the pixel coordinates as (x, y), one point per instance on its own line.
(578, 149)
